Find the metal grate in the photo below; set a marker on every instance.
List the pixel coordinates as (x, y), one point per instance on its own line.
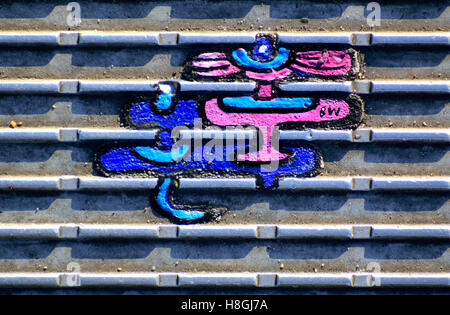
(377, 216)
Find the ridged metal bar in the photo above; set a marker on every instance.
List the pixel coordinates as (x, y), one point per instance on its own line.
(116, 135)
(111, 86)
(224, 231)
(29, 280)
(98, 183)
(411, 183)
(348, 223)
(218, 183)
(97, 86)
(224, 279)
(119, 280)
(357, 183)
(118, 38)
(30, 86)
(326, 183)
(238, 231)
(187, 86)
(415, 39)
(346, 87)
(418, 135)
(422, 86)
(392, 183)
(215, 38)
(122, 38)
(316, 38)
(29, 38)
(314, 135)
(362, 135)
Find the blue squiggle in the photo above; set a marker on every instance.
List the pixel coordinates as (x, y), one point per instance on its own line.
(161, 156)
(165, 205)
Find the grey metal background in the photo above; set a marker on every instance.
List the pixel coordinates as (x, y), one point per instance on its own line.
(410, 64)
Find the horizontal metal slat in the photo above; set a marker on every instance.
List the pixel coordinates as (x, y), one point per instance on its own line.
(215, 183)
(108, 231)
(98, 183)
(362, 135)
(18, 280)
(410, 39)
(423, 135)
(411, 183)
(316, 38)
(29, 38)
(117, 280)
(96, 86)
(328, 183)
(101, 86)
(72, 134)
(116, 135)
(118, 38)
(75, 54)
(30, 86)
(316, 280)
(227, 232)
(216, 38)
(238, 231)
(346, 87)
(30, 231)
(217, 279)
(410, 86)
(314, 231)
(132, 38)
(248, 279)
(357, 183)
(367, 183)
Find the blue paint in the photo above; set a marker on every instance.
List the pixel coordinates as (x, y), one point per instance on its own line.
(184, 113)
(263, 49)
(165, 139)
(241, 56)
(300, 73)
(164, 100)
(123, 160)
(163, 201)
(160, 156)
(249, 102)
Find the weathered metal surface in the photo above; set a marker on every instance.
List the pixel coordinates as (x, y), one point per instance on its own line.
(378, 215)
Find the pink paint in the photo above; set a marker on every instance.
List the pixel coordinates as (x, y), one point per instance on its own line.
(324, 63)
(269, 76)
(213, 55)
(211, 63)
(220, 72)
(210, 66)
(321, 72)
(327, 110)
(265, 90)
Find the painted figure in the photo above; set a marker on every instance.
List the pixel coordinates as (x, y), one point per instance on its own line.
(265, 109)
